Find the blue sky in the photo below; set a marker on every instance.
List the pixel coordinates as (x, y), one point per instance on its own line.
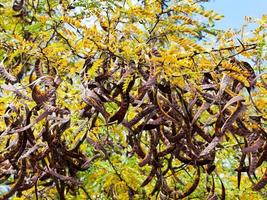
(234, 11)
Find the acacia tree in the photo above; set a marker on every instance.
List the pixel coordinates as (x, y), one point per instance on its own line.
(130, 100)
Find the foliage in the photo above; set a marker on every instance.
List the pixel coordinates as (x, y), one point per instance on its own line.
(130, 100)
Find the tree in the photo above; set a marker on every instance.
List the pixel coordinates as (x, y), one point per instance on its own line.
(130, 100)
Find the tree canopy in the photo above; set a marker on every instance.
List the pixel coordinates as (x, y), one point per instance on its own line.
(128, 99)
